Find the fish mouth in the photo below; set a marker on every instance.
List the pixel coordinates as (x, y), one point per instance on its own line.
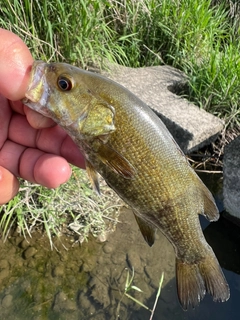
(37, 94)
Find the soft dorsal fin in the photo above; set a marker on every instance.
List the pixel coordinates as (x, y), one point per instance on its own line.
(147, 231)
(115, 161)
(210, 209)
(93, 177)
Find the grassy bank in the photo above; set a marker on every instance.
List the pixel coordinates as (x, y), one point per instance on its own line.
(72, 209)
(199, 37)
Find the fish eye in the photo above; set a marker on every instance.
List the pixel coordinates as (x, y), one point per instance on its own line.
(64, 83)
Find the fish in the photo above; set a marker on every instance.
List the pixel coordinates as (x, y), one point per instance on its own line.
(125, 142)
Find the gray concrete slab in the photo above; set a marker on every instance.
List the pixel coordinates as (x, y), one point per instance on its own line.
(191, 127)
(231, 178)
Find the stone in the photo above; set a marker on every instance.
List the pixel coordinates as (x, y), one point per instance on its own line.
(83, 301)
(4, 264)
(231, 178)
(191, 127)
(108, 247)
(134, 260)
(58, 271)
(4, 274)
(24, 244)
(29, 252)
(63, 303)
(7, 301)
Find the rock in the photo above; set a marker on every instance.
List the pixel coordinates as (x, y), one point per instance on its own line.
(31, 264)
(17, 240)
(26, 287)
(63, 303)
(7, 301)
(4, 264)
(24, 244)
(4, 274)
(118, 258)
(231, 178)
(108, 247)
(83, 301)
(29, 252)
(58, 271)
(99, 291)
(190, 126)
(40, 268)
(134, 260)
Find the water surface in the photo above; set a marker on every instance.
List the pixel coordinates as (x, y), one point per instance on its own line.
(87, 281)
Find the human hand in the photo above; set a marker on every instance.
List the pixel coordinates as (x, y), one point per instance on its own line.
(31, 146)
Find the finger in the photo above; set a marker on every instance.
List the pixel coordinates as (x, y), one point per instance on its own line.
(10, 156)
(34, 165)
(21, 132)
(17, 106)
(52, 140)
(9, 186)
(45, 169)
(15, 65)
(72, 153)
(37, 120)
(56, 140)
(5, 117)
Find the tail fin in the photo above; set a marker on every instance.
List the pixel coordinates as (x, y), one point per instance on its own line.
(194, 280)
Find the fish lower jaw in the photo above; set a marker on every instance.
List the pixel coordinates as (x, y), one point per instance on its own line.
(38, 107)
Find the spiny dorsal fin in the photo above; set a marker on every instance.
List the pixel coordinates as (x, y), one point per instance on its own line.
(93, 177)
(116, 162)
(147, 231)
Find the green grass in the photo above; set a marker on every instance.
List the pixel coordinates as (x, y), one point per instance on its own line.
(59, 30)
(199, 37)
(72, 209)
(130, 287)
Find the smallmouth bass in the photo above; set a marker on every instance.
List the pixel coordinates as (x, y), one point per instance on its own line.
(129, 146)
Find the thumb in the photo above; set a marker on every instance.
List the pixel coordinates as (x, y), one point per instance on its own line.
(9, 185)
(15, 65)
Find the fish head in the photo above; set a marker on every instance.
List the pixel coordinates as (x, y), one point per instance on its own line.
(65, 93)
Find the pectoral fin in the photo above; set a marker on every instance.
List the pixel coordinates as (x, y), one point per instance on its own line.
(93, 177)
(147, 231)
(116, 162)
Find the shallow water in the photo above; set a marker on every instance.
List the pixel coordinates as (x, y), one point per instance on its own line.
(87, 281)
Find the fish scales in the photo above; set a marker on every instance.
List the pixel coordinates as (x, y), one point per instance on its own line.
(151, 177)
(124, 141)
